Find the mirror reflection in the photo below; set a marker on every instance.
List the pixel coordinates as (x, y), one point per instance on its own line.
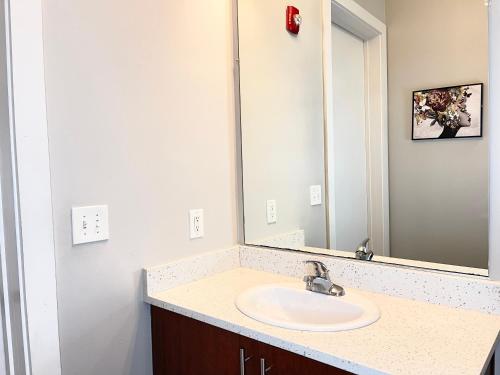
(366, 119)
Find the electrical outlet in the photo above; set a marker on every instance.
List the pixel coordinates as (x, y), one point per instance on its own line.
(315, 195)
(272, 214)
(196, 229)
(89, 224)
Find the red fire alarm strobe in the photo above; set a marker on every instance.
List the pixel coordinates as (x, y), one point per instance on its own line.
(293, 19)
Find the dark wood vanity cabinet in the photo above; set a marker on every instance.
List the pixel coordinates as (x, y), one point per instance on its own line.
(185, 346)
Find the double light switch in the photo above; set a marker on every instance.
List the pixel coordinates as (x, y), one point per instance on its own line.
(90, 224)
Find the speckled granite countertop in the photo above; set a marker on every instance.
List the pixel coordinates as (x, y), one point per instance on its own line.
(411, 337)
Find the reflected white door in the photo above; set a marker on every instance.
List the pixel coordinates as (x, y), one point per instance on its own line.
(348, 210)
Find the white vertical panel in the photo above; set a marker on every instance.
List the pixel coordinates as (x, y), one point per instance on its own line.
(35, 205)
(494, 109)
(328, 109)
(348, 141)
(3, 365)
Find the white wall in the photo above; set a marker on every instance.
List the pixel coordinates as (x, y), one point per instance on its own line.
(281, 119)
(438, 189)
(140, 117)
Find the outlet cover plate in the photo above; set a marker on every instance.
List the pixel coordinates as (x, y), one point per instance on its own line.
(271, 211)
(196, 224)
(315, 192)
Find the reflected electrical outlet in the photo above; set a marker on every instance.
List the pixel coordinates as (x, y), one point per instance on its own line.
(272, 216)
(315, 195)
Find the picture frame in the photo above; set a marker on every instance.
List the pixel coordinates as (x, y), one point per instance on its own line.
(450, 112)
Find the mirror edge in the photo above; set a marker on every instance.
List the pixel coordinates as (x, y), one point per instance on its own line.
(494, 117)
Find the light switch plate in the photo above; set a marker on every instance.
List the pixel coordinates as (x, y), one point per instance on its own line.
(271, 210)
(315, 192)
(196, 224)
(90, 224)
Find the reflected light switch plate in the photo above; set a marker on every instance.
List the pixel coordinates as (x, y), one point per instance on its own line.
(315, 192)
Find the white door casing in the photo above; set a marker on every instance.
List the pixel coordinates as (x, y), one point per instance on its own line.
(31, 200)
(350, 16)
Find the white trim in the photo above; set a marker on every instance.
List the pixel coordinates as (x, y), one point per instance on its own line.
(240, 217)
(28, 118)
(351, 16)
(12, 286)
(8, 351)
(328, 121)
(355, 19)
(494, 131)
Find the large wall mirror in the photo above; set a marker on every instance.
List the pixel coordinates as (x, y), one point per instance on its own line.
(366, 119)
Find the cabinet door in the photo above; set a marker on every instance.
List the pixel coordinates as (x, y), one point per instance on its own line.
(252, 351)
(185, 346)
(281, 362)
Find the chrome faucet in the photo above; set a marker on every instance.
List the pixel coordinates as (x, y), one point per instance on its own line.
(362, 253)
(318, 280)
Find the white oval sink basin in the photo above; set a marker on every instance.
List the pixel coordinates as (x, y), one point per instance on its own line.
(291, 306)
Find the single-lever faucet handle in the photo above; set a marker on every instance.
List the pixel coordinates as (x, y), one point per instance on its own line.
(318, 280)
(317, 269)
(364, 244)
(362, 253)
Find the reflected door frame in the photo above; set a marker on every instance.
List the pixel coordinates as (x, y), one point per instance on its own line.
(352, 17)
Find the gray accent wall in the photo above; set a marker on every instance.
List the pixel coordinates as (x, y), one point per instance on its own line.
(438, 188)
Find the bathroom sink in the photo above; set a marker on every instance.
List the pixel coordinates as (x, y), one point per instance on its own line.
(291, 306)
